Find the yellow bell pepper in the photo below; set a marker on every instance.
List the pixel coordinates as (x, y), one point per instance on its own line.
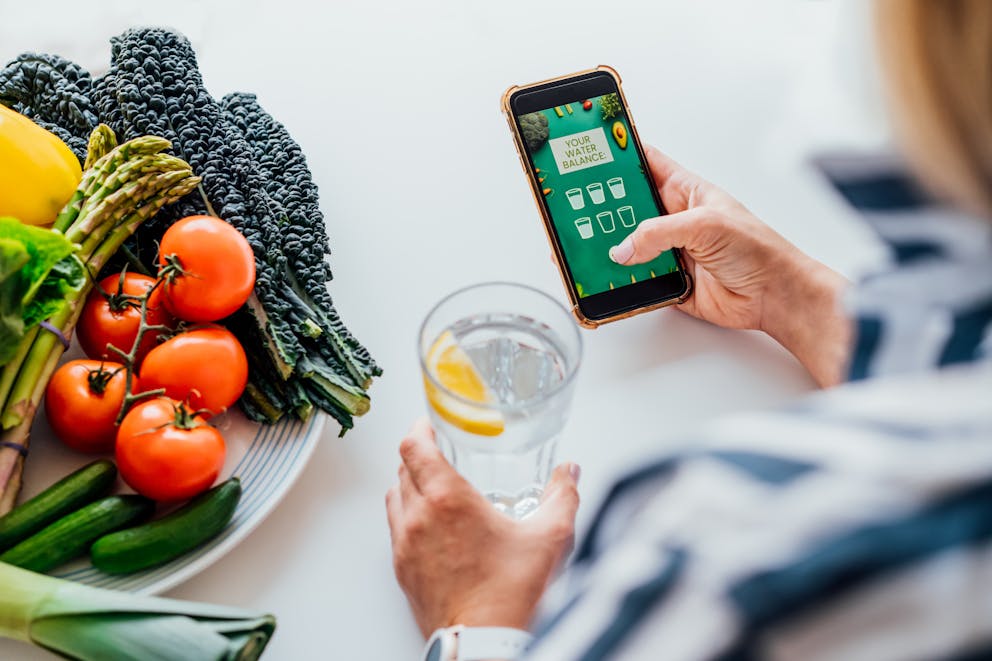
(38, 172)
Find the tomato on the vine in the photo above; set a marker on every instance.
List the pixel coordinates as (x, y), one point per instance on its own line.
(82, 401)
(167, 453)
(112, 313)
(206, 367)
(215, 264)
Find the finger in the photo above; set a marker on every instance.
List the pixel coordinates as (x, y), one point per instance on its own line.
(408, 490)
(674, 182)
(394, 509)
(422, 427)
(687, 229)
(422, 457)
(561, 500)
(678, 187)
(662, 166)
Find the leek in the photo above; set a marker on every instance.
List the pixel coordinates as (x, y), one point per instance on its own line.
(82, 622)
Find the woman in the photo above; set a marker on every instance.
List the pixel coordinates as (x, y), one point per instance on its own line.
(857, 524)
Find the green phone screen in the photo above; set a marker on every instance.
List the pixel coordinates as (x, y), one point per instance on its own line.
(595, 186)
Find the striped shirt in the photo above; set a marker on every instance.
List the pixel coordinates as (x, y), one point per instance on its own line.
(856, 524)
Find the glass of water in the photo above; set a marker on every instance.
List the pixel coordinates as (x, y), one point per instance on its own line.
(499, 362)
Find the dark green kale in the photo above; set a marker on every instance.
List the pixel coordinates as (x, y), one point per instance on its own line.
(54, 93)
(289, 184)
(255, 177)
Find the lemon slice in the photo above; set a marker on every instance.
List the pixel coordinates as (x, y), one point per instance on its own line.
(454, 370)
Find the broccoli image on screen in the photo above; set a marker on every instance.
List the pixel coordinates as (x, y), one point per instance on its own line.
(534, 127)
(610, 105)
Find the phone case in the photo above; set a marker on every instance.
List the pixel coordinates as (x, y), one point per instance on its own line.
(548, 227)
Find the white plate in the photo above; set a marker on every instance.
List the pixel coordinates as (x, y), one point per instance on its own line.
(267, 458)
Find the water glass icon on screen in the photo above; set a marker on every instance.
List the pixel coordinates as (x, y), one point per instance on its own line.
(606, 221)
(596, 193)
(575, 198)
(616, 187)
(627, 216)
(584, 225)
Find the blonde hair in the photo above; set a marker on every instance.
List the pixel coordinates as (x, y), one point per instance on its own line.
(937, 55)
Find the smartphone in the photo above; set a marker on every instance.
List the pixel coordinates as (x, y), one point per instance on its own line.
(579, 148)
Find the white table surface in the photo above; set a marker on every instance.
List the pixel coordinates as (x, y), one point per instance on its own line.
(396, 106)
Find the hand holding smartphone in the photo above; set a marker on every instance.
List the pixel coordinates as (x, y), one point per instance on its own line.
(580, 150)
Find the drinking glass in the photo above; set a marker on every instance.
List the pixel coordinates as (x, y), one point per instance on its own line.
(627, 216)
(584, 225)
(617, 189)
(575, 198)
(606, 221)
(596, 193)
(524, 350)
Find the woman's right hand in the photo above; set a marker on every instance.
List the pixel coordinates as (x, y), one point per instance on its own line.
(745, 274)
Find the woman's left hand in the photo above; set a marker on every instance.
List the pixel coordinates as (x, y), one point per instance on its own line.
(458, 559)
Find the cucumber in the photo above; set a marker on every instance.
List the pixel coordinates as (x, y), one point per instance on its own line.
(171, 536)
(65, 496)
(71, 535)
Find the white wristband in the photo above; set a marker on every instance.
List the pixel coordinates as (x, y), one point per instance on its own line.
(483, 643)
(461, 643)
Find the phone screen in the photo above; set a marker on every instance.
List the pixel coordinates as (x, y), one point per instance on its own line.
(594, 184)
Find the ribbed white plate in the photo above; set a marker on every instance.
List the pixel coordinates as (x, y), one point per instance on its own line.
(267, 458)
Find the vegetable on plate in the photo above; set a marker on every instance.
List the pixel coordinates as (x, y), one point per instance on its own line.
(210, 266)
(65, 496)
(35, 274)
(255, 177)
(82, 402)
(165, 539)
(72, 535)
(125, 186)
(168, 453)
(38, 172)
(205, 367)
(112, 314)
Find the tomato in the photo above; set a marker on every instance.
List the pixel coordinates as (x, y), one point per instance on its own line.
(205, 366)
(82, 401)
(166, 453)
(111, 316)
(218, 268)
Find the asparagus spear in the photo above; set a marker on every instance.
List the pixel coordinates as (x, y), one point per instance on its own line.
(102, 140)
(125, 186)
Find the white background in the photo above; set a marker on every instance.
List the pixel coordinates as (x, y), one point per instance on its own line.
(396, 105)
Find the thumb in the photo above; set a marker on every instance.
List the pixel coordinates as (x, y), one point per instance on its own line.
(686, 229)
(561, 501)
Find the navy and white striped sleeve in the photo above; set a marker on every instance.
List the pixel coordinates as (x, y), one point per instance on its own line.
(932, 307)
(856, 525)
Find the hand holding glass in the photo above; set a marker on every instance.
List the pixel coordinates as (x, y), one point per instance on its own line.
(499, 363)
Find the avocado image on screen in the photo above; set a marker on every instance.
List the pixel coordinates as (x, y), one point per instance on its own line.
(620, 134)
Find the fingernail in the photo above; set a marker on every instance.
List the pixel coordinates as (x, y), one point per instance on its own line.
(575, 471)
(622, 253)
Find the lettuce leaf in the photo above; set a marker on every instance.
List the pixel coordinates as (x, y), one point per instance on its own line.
(37, 272)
